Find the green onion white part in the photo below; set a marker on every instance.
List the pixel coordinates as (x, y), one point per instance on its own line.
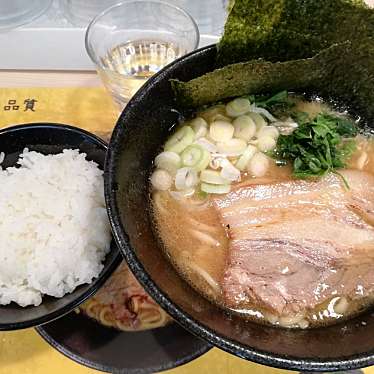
(230, 172)
(220, 117)
(215, 188)
(245, 127)
(209, 156)
(196, 157)
(161, 180)
(221, 131)
(271, 131)
(238, 107)
(169, 161)
(258, 165)
(180, 140)
(249, 152)
(258, 120)
(200, 126)
(208, 145)
(216, 161)
(186, 178)
(213, 177)
(232, 147)
(266, 143)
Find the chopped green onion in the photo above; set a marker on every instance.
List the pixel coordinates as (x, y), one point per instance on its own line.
(221, 131)
(213, 177)
(200, 126)
(258, 165)
(161, 180)
(258, 120)
(186, 178)
(220, 117)
(229, 171)
(232, 147)
(249, 152)
(195, 156)
(238, 107)
(271, 131)
(169, 161)
(266, 143)
(180, 140)
(206, 144)
(215, 188)
(245, 127)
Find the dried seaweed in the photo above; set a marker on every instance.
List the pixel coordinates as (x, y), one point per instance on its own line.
(281, 30)
(344, 72)
(255, 77)
(351, 77)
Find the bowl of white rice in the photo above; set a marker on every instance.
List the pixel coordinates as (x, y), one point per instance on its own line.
(56, 247)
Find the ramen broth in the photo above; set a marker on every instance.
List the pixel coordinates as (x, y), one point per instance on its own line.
(197, 243)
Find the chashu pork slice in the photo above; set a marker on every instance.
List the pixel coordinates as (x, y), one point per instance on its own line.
(298, 243)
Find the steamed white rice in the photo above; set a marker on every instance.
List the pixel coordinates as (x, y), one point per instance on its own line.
(54, 230)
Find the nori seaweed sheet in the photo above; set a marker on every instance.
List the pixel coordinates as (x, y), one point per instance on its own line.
(249, 77)
(344, 72)
(281, 30)
(350, 77)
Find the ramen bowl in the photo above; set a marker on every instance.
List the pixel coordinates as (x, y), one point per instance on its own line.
(139, 134)
(50, 138)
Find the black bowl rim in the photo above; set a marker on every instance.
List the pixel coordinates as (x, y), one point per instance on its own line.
(105, 273)
(183, 318)
(108, 369)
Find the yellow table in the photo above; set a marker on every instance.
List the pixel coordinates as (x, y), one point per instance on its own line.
(24, 352)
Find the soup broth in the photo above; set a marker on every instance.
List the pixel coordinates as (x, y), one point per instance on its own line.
(197, 242)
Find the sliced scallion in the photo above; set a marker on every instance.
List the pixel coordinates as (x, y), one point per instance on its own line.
(271, 131)
(245, 127)
(221, 131)
(161, 180)
(186, 178)
(169, 161)
(230, 172)
(258, 120)
(215, 188)
(181, 139)
(238, 107)
(258, 165)
(195, 156)
(266, 143)
(249, 152)
(200, 126)
(232, 147)
(213, 177)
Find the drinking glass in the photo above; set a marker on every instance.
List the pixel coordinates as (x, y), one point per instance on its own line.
(132, 40)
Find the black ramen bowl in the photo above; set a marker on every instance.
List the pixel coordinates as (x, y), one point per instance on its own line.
(50, 138)
(140, 132)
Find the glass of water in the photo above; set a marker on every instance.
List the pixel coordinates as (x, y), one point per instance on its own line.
(131, 41)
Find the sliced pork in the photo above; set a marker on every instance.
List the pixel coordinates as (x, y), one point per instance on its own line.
(296, 244)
